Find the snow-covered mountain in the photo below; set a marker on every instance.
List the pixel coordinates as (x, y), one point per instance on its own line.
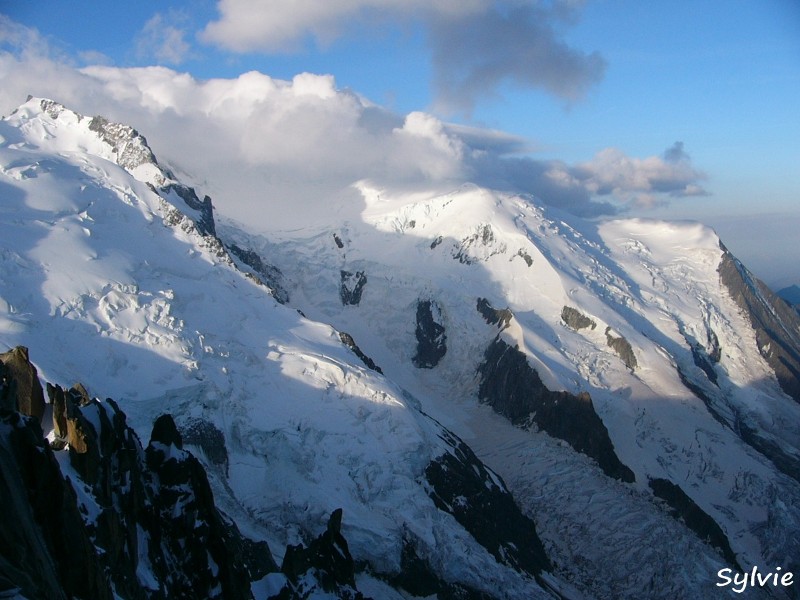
(505, 401)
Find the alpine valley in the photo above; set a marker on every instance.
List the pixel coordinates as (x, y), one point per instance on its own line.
(451, 393)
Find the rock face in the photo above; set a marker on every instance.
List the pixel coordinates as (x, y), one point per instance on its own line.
(348, 341)
(205, 221)
(514, 389)
(494, 316)
(19, 384)
(325, 564)
(478, 499)
(129, 147)
(195, 552)
(352, 287)
(682, 507)
(418, 579)
(706, 359)
(479, 246)
(45, 548)
(124, 522)
(431, 337)
(576, 319)
(776, 325)
(268, 274)
(623, 348)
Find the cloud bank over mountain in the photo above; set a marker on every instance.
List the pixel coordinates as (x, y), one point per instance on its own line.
(254, 139)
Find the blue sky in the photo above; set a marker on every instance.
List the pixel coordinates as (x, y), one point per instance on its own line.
(569, 80)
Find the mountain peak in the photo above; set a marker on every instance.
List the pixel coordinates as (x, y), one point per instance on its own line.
(47, 123)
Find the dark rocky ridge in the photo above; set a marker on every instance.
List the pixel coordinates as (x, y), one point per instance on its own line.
(19, 384)
(205, 222)
(706, 356)
(684, 508)
(431, 336)
(776, 325)
(45, 548)
(514, 389)
(418, 579)
(348, 341)
(127, 522)
(127, 144)
(729, 416)
(478, 499)
(494, 316)
(141, 524)
(268, 274)
(326, 564)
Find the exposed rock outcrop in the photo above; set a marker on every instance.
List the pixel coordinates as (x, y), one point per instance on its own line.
(525, 256)
(494, 316)
(120, 521)
(19, 384)
(431, 336)
(478, 247)
(205, 219)
(325, 564)
(352, 286)
(623, 349)
(576, 319)
(418, 579)
(784, 459)
(193, 550)
(776, 325)
(478, 499)
(682, 507)
(268, 274)
(45, 548)
(705, 362)
(127, 144)
(348, 341)
(514, 389)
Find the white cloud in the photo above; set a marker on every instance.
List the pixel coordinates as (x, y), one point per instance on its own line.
(276, 25)
(642, 180)
(163, 38)
(608, 183)
(258, 144)
(476, 45)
